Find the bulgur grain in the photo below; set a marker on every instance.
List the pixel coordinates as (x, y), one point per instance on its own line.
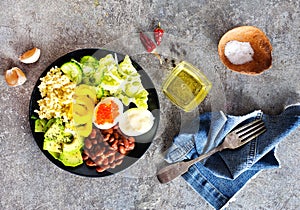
(57, 96)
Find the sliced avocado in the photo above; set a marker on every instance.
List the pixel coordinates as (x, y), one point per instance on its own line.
(76, 144)
(56, 132)
(49, 123)
(54, 154)
(52, 146)
(73, 158)
(39, 125)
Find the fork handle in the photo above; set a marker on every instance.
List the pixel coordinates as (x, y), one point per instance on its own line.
(172, 171)
(206, 155)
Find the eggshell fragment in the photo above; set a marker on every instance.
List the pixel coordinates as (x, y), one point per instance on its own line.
(30, 56)
(15, 77)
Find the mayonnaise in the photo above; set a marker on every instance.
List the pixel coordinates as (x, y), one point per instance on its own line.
(135, 122)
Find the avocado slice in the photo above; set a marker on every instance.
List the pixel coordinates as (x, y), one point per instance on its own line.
(39, 125)
(56, 133)
(54, 154)
(52, 146)
(73, 158)
(75, 145)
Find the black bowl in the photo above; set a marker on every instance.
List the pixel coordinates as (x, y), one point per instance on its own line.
(142, 142)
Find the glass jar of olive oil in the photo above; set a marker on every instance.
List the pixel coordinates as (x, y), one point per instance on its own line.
(186, 86)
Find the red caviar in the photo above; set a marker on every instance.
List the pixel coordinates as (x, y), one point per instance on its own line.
(106, 113)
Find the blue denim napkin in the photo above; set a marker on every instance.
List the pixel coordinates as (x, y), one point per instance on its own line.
(218, 178)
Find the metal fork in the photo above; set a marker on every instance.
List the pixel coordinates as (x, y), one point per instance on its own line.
(233, 140)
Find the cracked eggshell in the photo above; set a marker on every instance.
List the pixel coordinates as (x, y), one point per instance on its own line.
(15, 77)
(30, 56)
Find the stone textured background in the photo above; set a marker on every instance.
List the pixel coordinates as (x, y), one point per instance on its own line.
(193, 28)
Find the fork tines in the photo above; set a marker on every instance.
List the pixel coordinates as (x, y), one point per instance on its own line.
(251, 130)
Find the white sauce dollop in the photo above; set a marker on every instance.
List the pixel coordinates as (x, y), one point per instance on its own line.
(238, 53)
(135, 122)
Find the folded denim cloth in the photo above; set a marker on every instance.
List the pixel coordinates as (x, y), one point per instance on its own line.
(218, 178)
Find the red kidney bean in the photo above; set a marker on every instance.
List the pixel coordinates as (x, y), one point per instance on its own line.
(115, 145)
(99, 161)
(111, 159)
(106, 149)
(93, 134)
(123, 137)
(111, 139)
(85, 157)
(106, 137)
(116, 135)
(131, 146)
(109, 153)
(102, 168)
(119, 156)
(112, 165)
(93, 156)
(126, 143)
(110, 130)
(88, 144)
(105, 161)
(122, 150)
(102, 149)
(118, 162)
(131, 139)
(90, 163)
(121, 142)
(98, 153)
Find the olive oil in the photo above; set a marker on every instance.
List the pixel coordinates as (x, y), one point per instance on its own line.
(186, 86)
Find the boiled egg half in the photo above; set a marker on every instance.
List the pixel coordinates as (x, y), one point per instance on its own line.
(135, 121)
(107, 112)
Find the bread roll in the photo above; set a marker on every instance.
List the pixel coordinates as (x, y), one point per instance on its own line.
(248, 50)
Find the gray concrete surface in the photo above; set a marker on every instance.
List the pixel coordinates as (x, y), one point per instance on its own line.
(30, 181)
